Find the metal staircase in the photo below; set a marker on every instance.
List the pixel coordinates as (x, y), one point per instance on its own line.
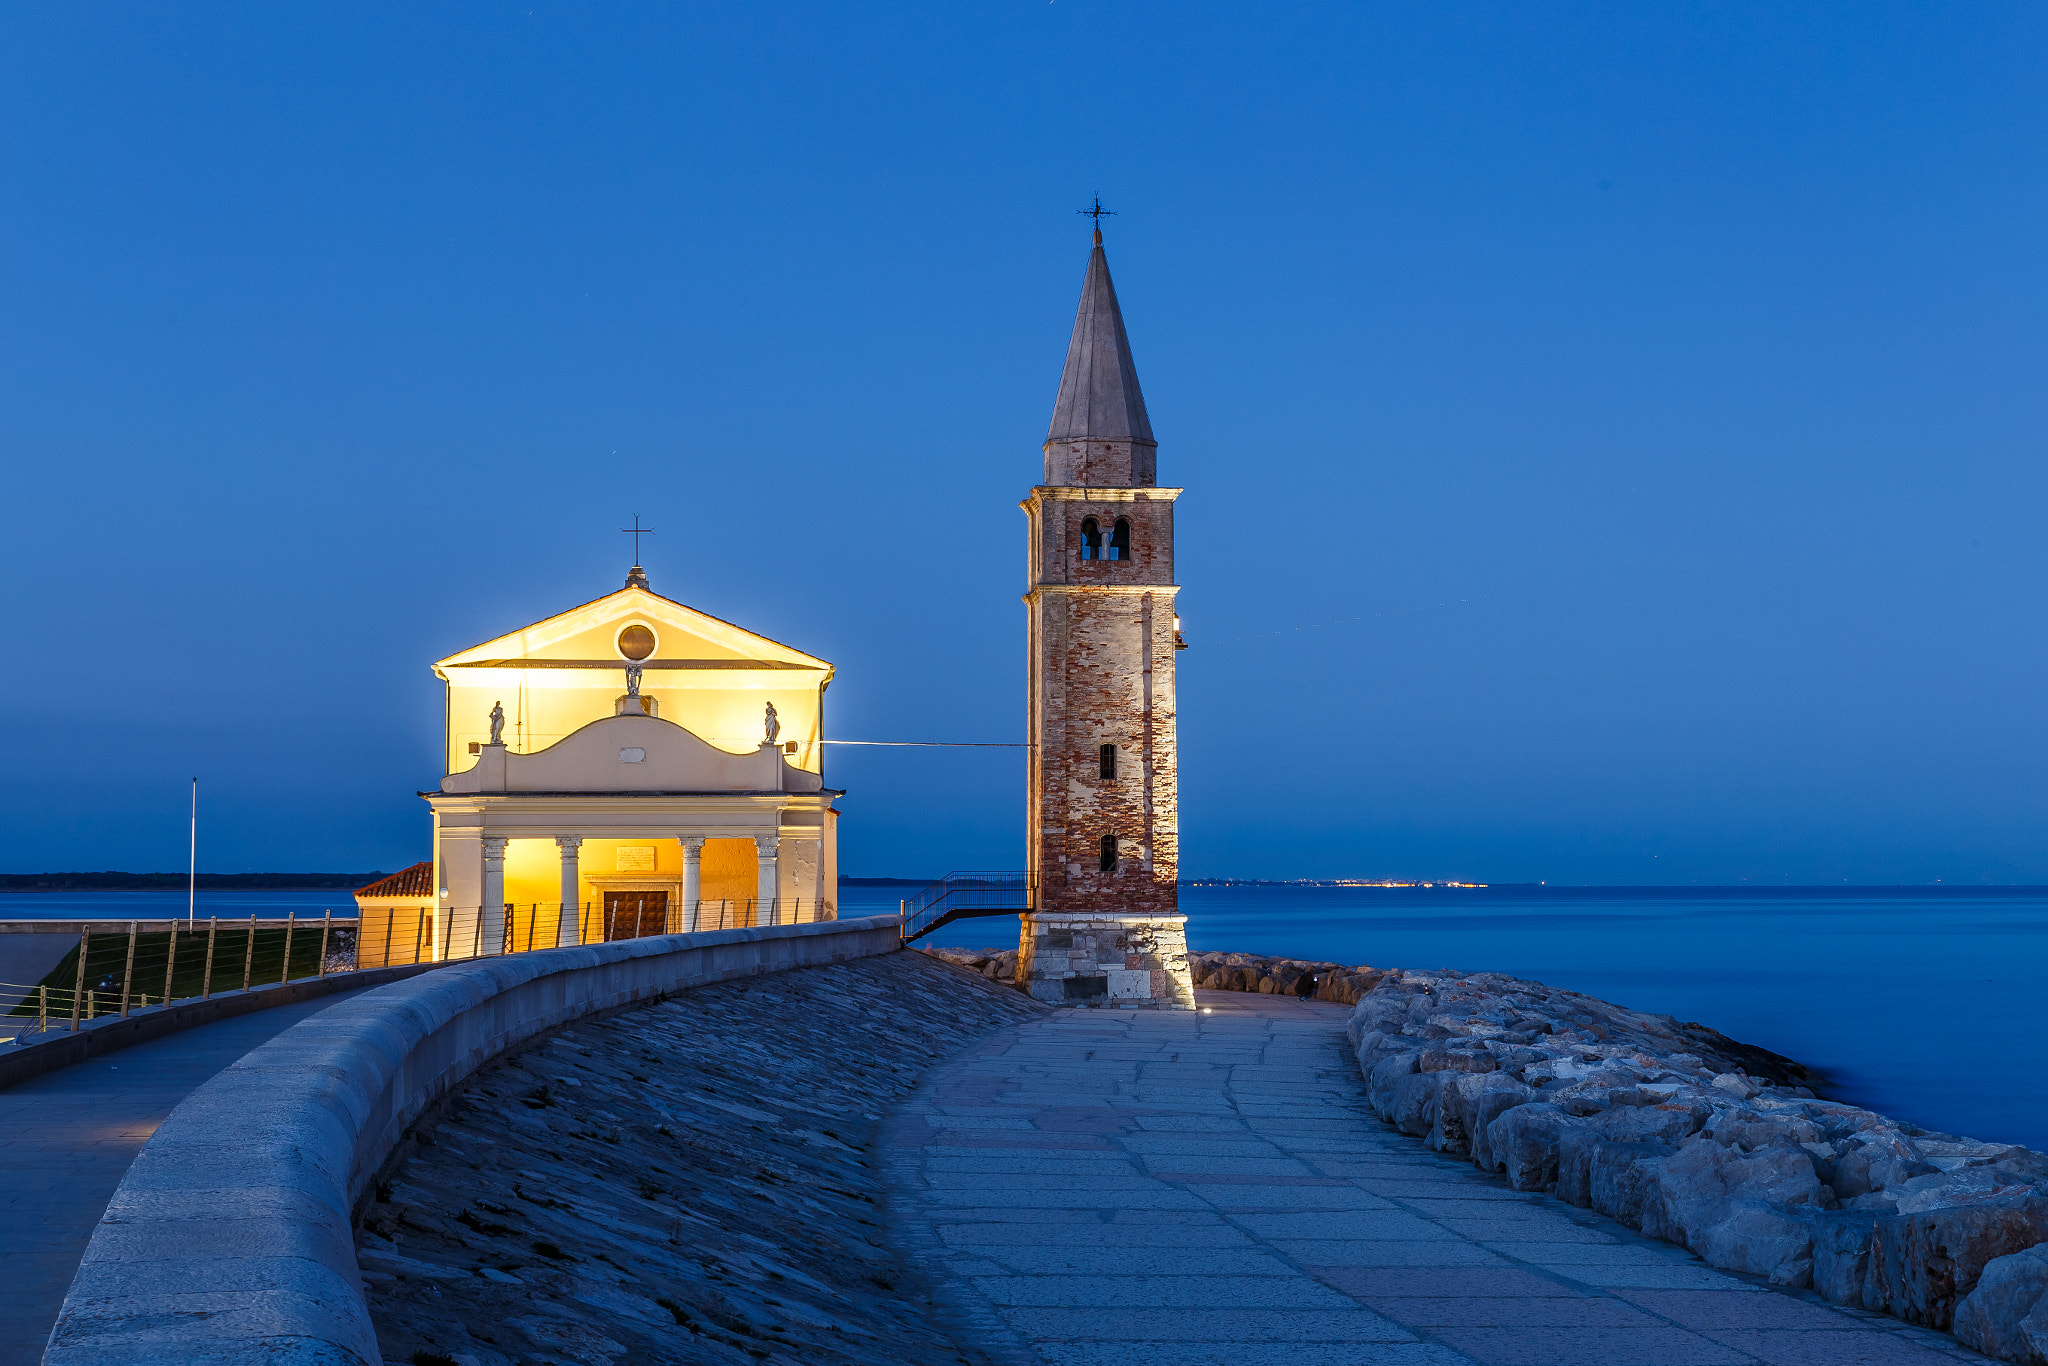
(966, 896)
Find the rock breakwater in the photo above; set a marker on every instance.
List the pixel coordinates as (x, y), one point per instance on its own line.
(1723, 1148)
(1214, 972)
(1315, 981)
(688, 1182)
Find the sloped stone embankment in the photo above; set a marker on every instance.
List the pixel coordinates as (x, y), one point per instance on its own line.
(1725, 1149)
(688, 1182)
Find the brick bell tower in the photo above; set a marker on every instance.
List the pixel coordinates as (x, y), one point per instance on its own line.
(1104, 834)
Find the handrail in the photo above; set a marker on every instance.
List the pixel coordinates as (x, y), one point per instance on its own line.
(968, 895)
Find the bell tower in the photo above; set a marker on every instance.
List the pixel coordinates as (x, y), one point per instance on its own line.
(1104, 810)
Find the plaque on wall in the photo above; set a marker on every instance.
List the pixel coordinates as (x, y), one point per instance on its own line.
(635, 858)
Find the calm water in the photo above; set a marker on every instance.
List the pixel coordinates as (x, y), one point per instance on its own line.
(1924, 1004)
(163, 905)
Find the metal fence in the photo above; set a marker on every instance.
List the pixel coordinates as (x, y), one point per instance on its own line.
(126, 966)
(413, 935)
(123, 966)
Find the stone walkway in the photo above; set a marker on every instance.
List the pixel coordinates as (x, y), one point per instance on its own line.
(66, 1140)
(1108, 1188)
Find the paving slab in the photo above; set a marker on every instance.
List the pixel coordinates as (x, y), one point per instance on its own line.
(1188, 1188)
(68, 1137)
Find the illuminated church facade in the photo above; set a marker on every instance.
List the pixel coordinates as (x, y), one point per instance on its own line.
(631, 766)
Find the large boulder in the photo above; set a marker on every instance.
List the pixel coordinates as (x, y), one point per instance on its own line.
(1385, 1075)
(1524, 1140)
(1460, 1119)
(1495, 1094)
(1411, 1103)
(1759, 1238)
(1741, 1127)
(1923, 1265)
(2006, 1315)
(1966, 1186)
(1741, 1211)
(1841, 1254)
(1622, 1178)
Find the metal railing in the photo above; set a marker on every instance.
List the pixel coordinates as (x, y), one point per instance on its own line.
(965, 896)
(119, 967)
(406, 935)
(122, 967)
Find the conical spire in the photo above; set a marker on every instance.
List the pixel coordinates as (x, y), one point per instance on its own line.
(1099, 397)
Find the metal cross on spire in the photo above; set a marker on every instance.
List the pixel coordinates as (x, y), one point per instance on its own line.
(1098, 213)
(636, 531)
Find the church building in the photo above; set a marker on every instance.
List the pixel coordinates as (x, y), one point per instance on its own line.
(629, 767)
(1103, 820)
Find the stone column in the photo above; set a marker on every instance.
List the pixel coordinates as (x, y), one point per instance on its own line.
(693, 880)
(488, 935)
(770, 884)
(568, 926)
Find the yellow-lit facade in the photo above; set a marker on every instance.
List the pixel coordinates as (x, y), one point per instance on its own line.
(593, 795)
(708, 676)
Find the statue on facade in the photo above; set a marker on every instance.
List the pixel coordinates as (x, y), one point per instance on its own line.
(497, 723)
(772, 725)
(632, 680)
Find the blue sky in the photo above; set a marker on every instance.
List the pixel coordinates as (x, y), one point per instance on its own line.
(1612, 433)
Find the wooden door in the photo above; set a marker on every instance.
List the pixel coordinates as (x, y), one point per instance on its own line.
(635, 915)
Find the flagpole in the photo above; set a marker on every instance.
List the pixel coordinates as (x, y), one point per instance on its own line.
(192, 877)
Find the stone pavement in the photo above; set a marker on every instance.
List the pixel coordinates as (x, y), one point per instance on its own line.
(66, 1140)
(1124, 1188)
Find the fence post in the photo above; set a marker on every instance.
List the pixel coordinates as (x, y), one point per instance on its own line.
(326, 924)
(43, 1007)
(170, 962)
(390, 921)
(128, 970)
(291, 922)
(78, 989)
(419, 936)
(249, 958)
(206, 981)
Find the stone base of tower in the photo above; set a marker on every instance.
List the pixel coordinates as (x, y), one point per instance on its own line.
(1098, 958)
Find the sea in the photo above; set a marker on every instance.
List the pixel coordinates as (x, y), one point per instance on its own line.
(1923, 1003)
(1927, 1004)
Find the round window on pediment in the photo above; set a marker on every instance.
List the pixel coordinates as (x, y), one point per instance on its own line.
(636, 642)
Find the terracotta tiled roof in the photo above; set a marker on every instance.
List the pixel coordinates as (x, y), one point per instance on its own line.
(417, 880)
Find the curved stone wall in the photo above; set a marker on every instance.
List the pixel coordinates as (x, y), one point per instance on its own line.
(230, 1239)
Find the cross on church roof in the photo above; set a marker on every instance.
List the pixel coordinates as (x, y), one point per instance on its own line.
(636, 531)
(1098, 213)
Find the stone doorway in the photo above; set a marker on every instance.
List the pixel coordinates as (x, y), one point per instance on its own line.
(635, 915)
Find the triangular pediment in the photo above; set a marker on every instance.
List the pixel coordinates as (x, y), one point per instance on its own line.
(588, 636)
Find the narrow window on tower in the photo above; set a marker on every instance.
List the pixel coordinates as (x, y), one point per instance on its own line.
(1120, 541)
(1091, 539)
(1108, 761)
(1109, 853)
